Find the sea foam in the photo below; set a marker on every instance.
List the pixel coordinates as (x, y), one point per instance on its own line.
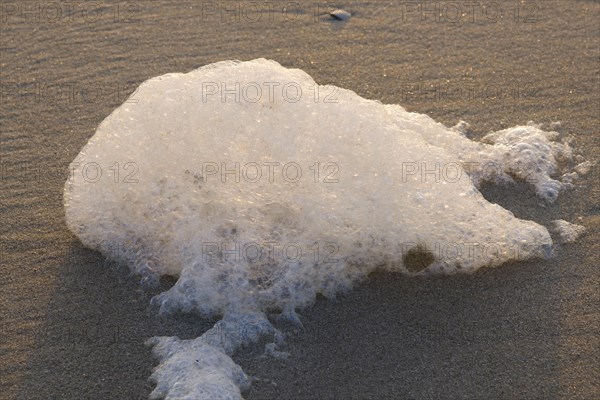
(260, 189)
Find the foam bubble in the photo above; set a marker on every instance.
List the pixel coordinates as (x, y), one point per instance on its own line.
(259, 189)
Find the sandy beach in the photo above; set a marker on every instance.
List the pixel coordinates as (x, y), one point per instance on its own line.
(73, 326)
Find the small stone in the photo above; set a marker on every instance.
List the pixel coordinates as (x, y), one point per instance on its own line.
(340, 15)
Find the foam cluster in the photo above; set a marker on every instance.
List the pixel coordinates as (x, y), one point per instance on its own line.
(259, 189)
(524, 153)
(567, 232)
(202, 368)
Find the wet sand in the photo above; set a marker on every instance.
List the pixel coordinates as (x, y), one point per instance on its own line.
(73, 325)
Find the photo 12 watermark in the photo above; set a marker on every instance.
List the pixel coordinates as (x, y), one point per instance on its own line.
(451, 252)
(70, 12)
(67, 93)
(448, 91)
(462, 12)
(266, 92)
(265, 172)
(93, 172)
(255, 12)
(453, 172)
(270, 252)
(92, 334)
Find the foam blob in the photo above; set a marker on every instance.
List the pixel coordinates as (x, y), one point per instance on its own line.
(259, 189)
(525, 153)
(584, 168)
(567, 232)
(201, 368)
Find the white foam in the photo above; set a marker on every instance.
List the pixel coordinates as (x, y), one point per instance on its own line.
(567, 231)
(525, 153)
(158, 206)
(201, 368)
(584, 167)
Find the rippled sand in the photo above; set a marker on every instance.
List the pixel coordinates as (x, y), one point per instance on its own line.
(74, 326)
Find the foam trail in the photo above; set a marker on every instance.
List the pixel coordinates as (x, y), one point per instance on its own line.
(202, 368)
(260, 189)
